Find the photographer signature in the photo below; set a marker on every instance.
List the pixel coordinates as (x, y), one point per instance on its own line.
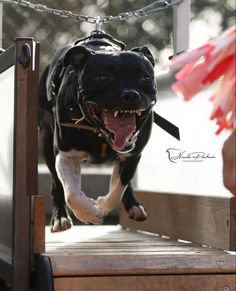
(176, 155)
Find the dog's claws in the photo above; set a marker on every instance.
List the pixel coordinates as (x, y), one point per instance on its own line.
(61, 224)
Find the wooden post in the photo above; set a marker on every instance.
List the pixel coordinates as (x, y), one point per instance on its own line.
(181, 26)
(39, 222)
(1, 8)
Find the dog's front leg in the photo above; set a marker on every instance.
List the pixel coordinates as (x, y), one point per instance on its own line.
(68, 171)
(116, 190)
(120, 185)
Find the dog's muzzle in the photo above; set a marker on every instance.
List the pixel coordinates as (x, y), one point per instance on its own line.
(119, 126)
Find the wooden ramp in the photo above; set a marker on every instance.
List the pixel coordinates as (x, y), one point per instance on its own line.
(98, 258)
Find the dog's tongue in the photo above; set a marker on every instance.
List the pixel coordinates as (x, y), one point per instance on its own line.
(122, 127)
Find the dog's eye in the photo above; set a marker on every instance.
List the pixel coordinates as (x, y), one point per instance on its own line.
(103, 78)
(145, 80)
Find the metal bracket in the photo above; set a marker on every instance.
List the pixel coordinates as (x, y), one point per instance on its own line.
(25, 58)
(181, 19)
(98, 23)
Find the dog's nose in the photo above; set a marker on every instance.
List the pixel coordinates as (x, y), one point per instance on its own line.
(131, 97)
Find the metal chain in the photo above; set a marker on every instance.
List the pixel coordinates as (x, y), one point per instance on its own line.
(154, 7)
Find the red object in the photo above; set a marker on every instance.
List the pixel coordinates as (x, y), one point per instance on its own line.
(203, 66)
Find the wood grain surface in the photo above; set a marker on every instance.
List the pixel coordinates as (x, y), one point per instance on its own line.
(111, 250)
(199, 219)
(148, 283)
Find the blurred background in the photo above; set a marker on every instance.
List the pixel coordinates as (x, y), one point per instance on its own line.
(209, 18)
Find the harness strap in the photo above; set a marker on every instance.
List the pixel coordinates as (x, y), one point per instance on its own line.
(80, 126)
(159, 120)
(166, 125)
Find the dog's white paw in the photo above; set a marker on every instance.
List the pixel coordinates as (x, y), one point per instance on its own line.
(61, 224)
(104, 205)
(137, 213)
(92, 215)
(86, 210)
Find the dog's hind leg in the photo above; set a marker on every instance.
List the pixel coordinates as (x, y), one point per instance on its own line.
(60, 217)
(134, 209)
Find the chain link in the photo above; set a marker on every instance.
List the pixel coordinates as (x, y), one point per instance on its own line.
(154, 7)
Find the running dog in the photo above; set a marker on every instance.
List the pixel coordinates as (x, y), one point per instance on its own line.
(95, 103)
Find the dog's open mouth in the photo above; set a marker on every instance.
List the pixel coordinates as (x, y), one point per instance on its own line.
(121, 127)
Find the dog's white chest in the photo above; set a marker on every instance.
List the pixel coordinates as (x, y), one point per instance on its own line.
(78, 155)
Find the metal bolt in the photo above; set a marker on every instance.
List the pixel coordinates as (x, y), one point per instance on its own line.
(87, 289)
(226, 288)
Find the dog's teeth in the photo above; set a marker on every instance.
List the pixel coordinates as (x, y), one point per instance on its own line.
(116, 113)
(139, 112)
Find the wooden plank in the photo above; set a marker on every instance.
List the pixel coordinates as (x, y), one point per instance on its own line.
(25, 165)
(233, 223)
(39, 222)
(104, 235)
(185, 250)
(140, 264)
(32, 121)
(148, 283)
(111, 250)
(199, 219)
(106, 239)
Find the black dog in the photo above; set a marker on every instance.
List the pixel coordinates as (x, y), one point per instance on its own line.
(96, 103)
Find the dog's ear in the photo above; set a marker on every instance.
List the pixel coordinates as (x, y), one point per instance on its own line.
(76, 56)
(146, 52)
